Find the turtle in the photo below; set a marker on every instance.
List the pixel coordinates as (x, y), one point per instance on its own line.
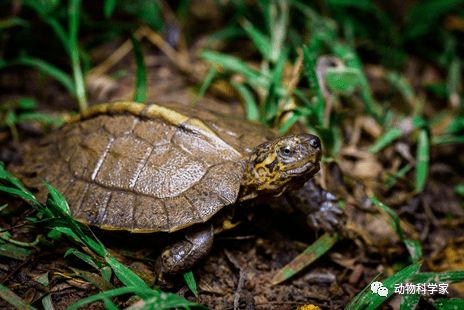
(168, 167)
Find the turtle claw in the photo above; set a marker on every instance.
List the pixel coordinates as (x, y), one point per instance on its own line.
(320, 206)
(328, 217)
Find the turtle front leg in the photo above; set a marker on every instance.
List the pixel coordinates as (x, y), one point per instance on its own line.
(320, 206)
(183, 254)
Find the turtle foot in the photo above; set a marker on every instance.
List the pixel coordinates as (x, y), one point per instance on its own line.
(183, 254)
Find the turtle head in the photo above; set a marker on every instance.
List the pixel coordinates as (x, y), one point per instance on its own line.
(283, 163)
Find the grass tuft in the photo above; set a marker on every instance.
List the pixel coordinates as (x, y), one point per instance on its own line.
(56, 210)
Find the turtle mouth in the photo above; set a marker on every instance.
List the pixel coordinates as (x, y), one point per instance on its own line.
(304, 167)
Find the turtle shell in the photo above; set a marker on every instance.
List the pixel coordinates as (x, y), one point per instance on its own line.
(146, 168)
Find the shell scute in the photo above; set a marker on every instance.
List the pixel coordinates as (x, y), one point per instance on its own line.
(122, 162)
(119, 210)
(180, 213)
(146, 210)
(119, 125)
(154, 132)
(87, 156)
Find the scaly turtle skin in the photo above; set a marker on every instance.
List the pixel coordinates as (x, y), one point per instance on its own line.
(148, 168)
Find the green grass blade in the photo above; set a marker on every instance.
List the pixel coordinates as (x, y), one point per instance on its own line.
(454, 81)
(278, 16)
(12, 22)
(395, 223)
(212, 72)
(42, 118)
(15, 252)
(261, 42)
(17, 193)
(127, 276)
(386, 139)
(106, 273)
(409, 301)
(47, 302)
(260, 80)
(447, 139)
(236, 65)
(271, 103)
(141, 89)
(361, 295)
(191, 283)
(58, 199)
(425, 14)
(352, 60)
(422, 160)
(154, 299)
(43, 12)
(27, 103)
(225, 34)
(43, 279)
(459, 189)
(108, 7)
(59, 31)
(449, 304)
(6, 236)
(46, 69)
(402, 85)
(13, 299)
(309, 65)
(413, 246)
(111, 293)
(166, 301)
(449, 276)
(20, 190)
(392, 179)
(84, 257)
(313, 252)
(359, 4)
(96, 280)
(73, 230)
(109, 305)
(59, 211)
(251, 107)
(10, 119)
(289, 123)
(342, 80)
(265, 7)
(79, 82)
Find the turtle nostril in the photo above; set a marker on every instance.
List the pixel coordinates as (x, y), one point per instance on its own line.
(315, 142)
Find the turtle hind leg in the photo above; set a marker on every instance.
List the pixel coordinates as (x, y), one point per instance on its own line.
(182, 255)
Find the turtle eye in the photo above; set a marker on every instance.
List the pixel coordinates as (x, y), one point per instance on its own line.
(286, 151)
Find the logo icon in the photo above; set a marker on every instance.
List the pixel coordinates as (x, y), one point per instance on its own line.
(379, 289)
